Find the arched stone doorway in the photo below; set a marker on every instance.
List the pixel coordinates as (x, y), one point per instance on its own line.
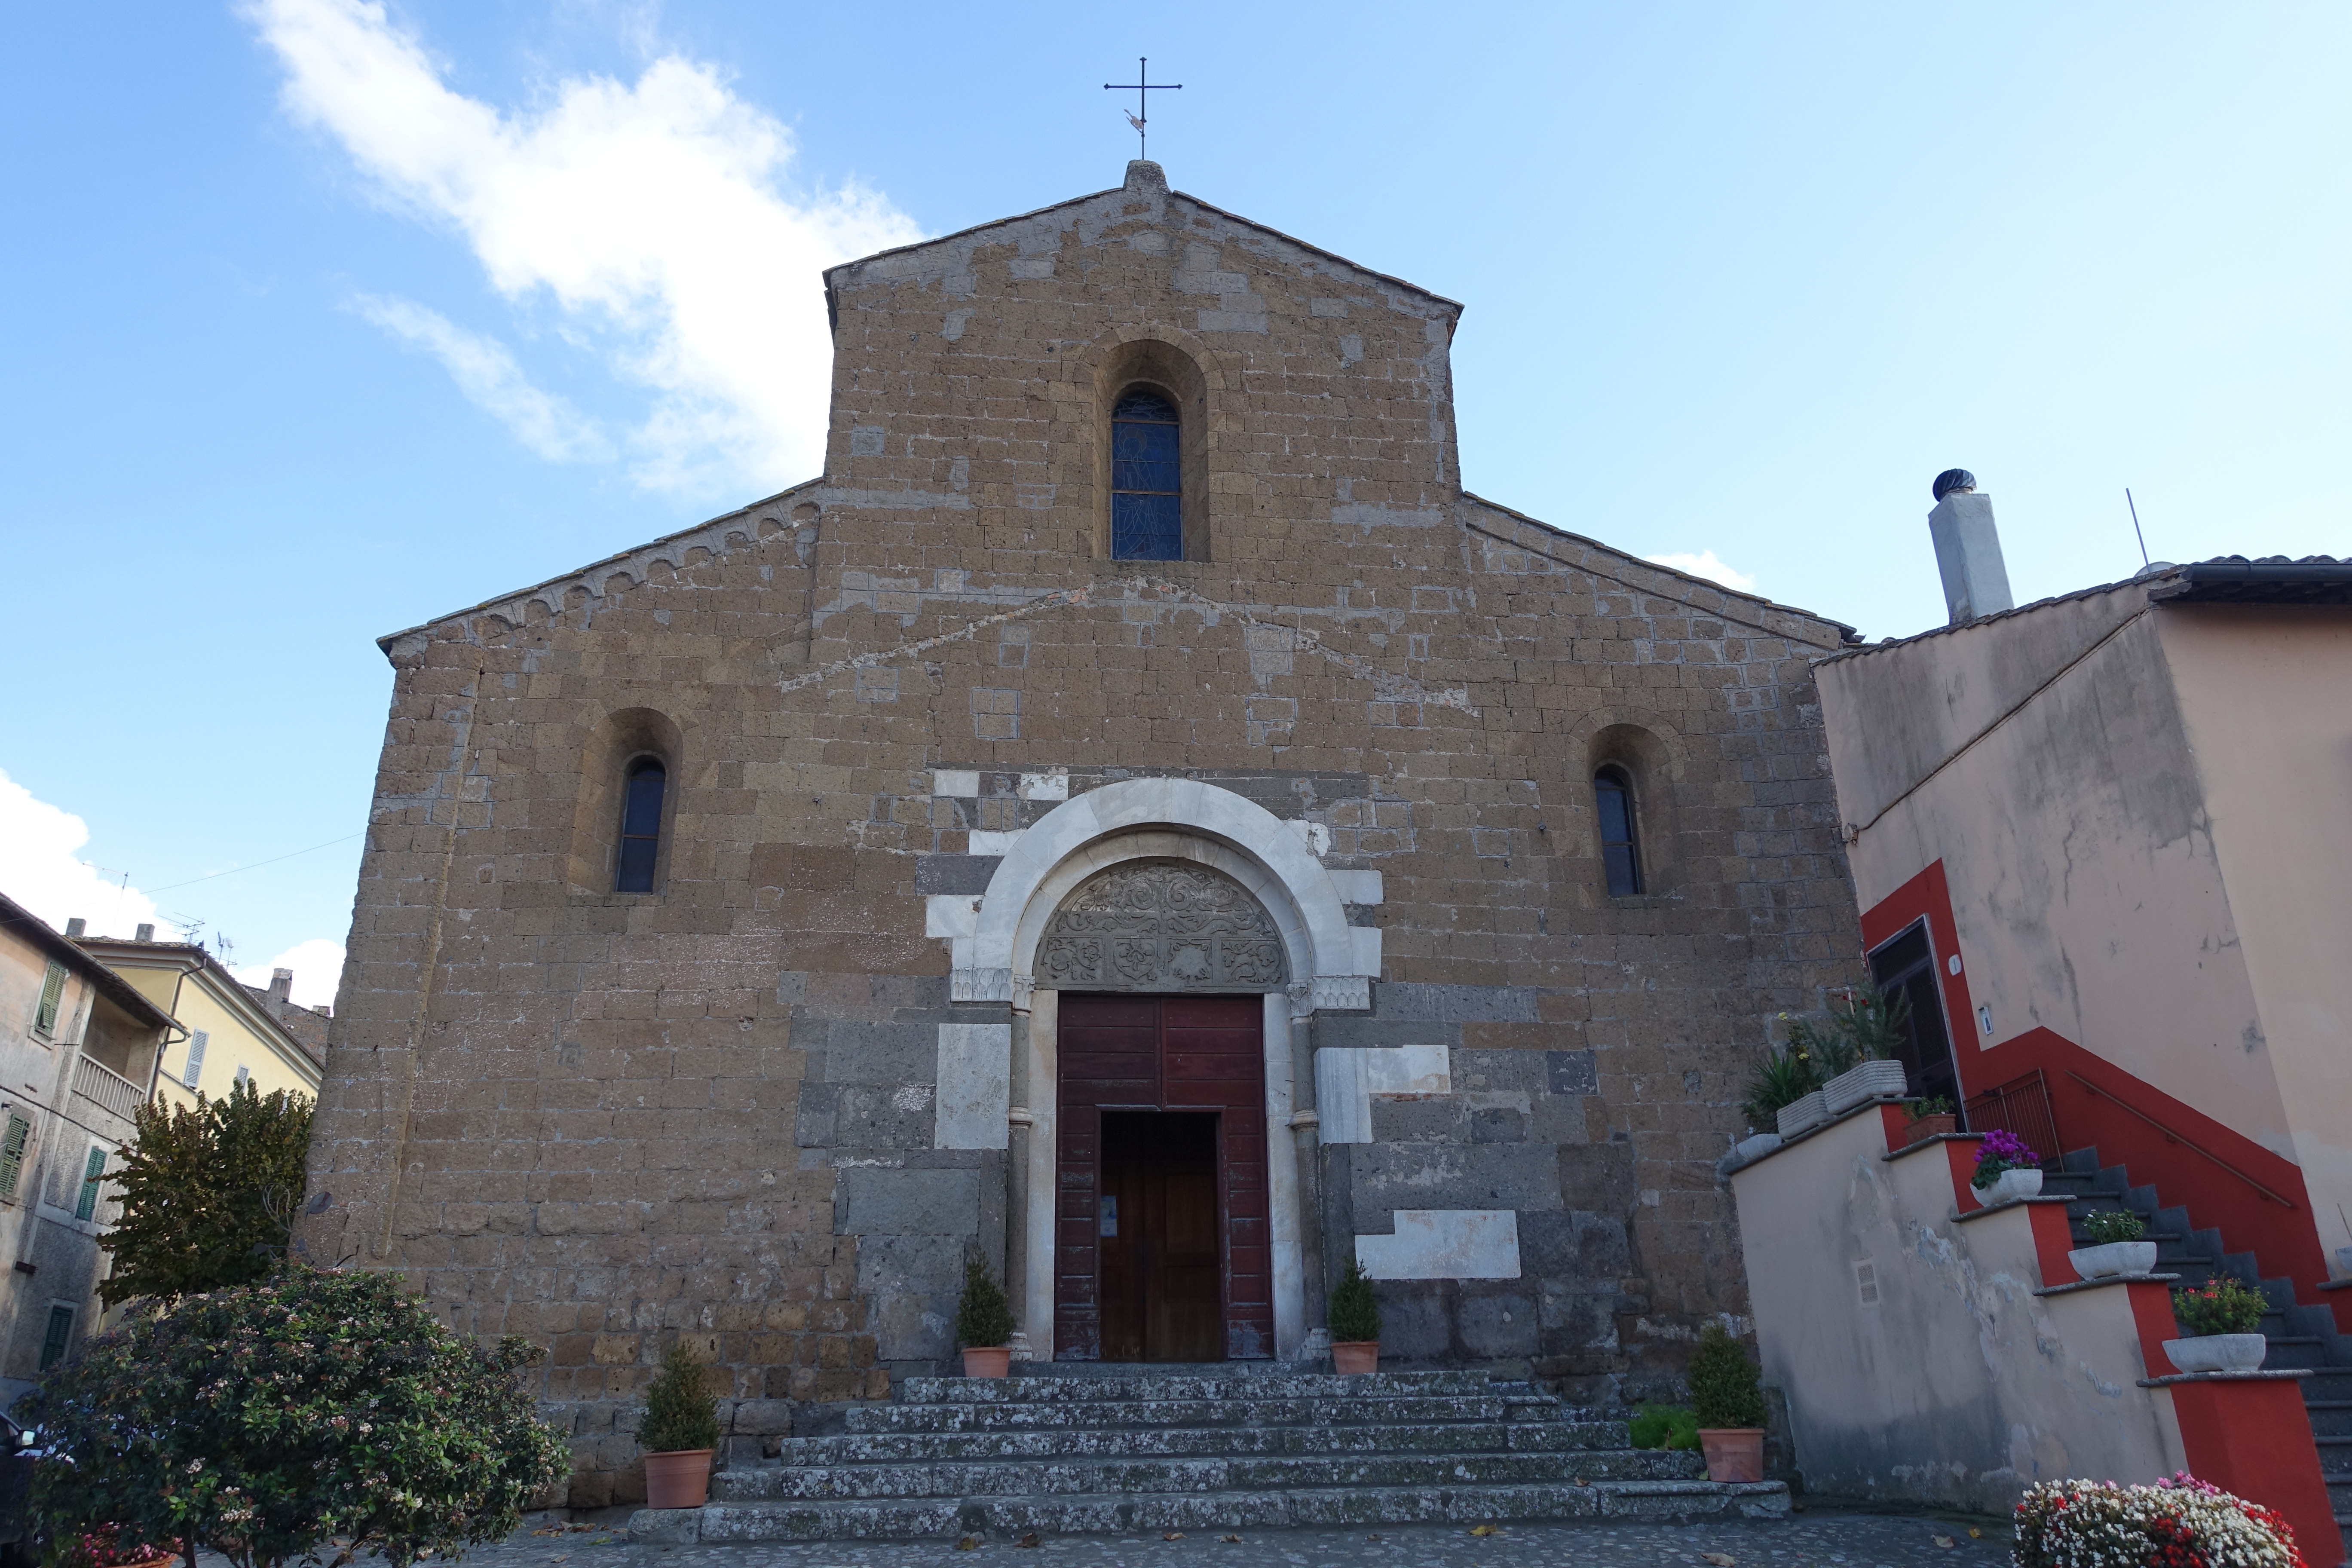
(1021, 950)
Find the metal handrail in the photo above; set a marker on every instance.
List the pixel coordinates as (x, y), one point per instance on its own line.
(2172, 1137)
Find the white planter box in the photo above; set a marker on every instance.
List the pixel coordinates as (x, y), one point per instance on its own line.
(2217, 1353)
(1798, 1116)
(2010, 1186)
(2112, 1259)
(1858, 1086)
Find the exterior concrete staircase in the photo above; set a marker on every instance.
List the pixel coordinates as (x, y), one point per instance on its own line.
(2299, 1336)
(1090, 1449)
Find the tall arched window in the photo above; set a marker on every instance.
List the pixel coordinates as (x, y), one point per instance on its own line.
(1147, 508)
(1621, 852)
(641, 814)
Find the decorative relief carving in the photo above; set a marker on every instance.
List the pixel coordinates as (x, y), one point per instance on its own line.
(1161, 925)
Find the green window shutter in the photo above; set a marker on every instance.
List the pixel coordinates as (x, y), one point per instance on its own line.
(12, 1154)
(53, 991)
(195, 1067)
(92, 1174)
(60, 1335)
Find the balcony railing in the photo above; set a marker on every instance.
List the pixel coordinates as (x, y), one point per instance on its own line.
(106, 1089)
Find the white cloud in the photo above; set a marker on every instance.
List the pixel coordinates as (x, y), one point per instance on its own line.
(318, 967)
(651, 214)
(1705, 565)
(487, 373)
(39, 869)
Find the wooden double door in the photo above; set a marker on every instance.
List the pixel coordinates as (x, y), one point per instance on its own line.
(1161, 1235)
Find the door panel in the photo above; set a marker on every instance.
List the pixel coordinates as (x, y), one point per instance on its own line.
(1152, 1290)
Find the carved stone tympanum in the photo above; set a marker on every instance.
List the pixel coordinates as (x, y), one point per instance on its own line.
(1161, 925)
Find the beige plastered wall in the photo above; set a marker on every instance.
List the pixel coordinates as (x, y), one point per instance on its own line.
(1956, 1384)
(2266, 695)
(2063, 794)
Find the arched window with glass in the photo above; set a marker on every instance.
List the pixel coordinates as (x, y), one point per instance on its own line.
(1147, 501)
(1620, 849)
(641, 818)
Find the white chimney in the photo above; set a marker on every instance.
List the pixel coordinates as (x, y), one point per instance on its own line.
(1967, 549)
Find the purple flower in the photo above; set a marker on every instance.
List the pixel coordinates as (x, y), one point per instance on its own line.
(2003, 1147)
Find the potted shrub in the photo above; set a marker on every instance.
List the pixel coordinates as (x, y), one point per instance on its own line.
(983, 1324)
(1866, 1026)
(2115, 1247)
(1928, 1118)
(2006, 1169)
(1728, 1405)
(1354, 1321)
(678, 1433)
(2224, 1320)
(1782, 1094)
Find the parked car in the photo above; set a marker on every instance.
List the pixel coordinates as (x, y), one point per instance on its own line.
(19, 1449)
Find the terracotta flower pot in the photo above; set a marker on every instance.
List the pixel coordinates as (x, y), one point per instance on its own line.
(1733, 1453)
(1355, 1355)
(680, 1479)
(988, 1360)
(1926, 1126)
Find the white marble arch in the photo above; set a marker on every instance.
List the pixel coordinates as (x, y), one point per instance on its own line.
(1331, 964)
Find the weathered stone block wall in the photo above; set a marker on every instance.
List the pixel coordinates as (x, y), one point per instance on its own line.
(608, 1121)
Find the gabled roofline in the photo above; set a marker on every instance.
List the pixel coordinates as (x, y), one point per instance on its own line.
(194, 959)
(1389, 278)
(16, 918)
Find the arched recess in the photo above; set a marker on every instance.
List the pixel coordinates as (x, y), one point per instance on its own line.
(1331, 963)
(615, 740)
(1177, 366)
(1652, 754)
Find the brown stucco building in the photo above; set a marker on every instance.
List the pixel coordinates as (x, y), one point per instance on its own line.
(1135, 817)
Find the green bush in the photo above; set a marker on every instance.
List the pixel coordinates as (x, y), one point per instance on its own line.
(2114, 1225)
(1724, 1389)
(1354, 1316)
(984, 1316)
(680, 1413)
(269, 1421)
(2222, 1306)
(208, 1195)
(1781, 1078)
(1663, 1426)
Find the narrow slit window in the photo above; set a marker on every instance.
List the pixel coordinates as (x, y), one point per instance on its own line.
(1621, 851)
(641, 814)
(1147, 503)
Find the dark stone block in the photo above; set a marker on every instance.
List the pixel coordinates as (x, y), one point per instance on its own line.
(1571, 1073)
(1498, 1325)
(954, 873)
(1455, 1003)
(1498, 1124)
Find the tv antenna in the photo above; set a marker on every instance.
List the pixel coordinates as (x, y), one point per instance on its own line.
(2136, 533)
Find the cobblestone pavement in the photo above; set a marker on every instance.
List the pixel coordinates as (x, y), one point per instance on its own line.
(1814, 1537)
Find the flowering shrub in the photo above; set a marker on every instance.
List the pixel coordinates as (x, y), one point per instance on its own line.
(2001, 1150)
(2221, 1306)
(2181, 1523)
(269, 1421)
(2110, 1226)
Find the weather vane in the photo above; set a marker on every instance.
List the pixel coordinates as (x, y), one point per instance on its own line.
(1141, 85)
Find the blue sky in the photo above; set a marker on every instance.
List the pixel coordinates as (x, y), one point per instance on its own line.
(323, 319)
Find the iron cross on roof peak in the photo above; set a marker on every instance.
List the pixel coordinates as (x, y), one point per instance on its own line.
(1141, 85)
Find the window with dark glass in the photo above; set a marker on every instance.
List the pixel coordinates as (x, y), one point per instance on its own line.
(1620, 853)
(55, 1343)
(641, 814)
(1147, 508)
(1905, 967)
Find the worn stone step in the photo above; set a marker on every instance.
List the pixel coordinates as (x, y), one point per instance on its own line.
(1239, 1411)
(1185, 1386)
(1175, 1442)
(1132, 1477)
(1005, 1518)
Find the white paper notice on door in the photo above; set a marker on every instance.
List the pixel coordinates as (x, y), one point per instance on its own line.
(1108, 1207)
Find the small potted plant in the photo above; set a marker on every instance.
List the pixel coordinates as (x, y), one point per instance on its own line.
(1354, 1321)
(1728, 1405)
(1928, 1118)
(678, 1433)
(2115, 1248)
(2224, 1320)
(2006, 1169)
(983, 1324)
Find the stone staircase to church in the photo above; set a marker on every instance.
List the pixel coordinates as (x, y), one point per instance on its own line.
(1211, 1448)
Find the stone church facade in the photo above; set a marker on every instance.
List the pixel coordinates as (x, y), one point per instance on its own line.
(757, 925)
